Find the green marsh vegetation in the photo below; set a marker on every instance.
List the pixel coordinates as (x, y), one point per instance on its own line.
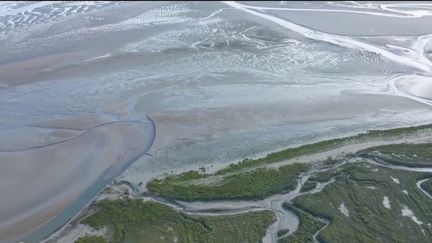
(245, 180)
(413, 155)
(365, 203)
(132, 221)
(323, 146)
(308, 225)
(361, 188)
(254, 184)
(91, 239)
(308, 185)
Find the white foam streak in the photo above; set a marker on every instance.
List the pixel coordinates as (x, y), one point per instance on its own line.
(413, 87)
(411, 13)
(421, 63)
(399, 14)
(98, 57)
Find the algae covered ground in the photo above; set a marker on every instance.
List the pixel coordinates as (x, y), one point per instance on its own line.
(369, 203)
(131, 221)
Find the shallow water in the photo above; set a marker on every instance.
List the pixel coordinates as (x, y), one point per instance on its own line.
(221, 81)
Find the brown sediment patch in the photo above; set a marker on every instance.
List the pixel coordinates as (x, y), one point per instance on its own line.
(71, 122)
(12, 73)
(37, 184)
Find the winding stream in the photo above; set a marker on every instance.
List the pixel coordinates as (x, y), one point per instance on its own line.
(229, 61)
(73, 209)
(418, 184)
(285, 219)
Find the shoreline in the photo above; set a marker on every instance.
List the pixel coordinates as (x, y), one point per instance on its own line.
(72, 208)
(183, 205)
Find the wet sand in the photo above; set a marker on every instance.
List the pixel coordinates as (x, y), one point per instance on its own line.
(54, 175)
(221, 81)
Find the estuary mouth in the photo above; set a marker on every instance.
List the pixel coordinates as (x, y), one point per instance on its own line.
(83, 86)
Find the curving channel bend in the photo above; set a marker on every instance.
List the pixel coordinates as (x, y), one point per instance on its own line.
(285, 219)
(64, 176)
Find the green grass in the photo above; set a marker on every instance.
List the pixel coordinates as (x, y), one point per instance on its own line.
(260, 183)
(257, 183)
(396, 131)
(254, 184)
(322, 146)
(324, 176)
(282, 232)
(360, 186)
(362, 189)
(308, 225)
(137, 221)
(308, 185)
(91, 239)
(415, 155)
(286, 154)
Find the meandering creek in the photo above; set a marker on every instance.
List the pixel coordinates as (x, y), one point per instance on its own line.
(285, 219)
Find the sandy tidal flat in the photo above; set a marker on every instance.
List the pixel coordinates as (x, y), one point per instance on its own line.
(84, 86)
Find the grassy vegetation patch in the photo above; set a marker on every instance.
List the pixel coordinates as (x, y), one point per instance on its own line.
(308, 185)
(91, 239)
(254, 184)
(418, 155)
(356, 204)
(137, 221)
(324, 176)
(259, 183)
(323, 146)
(287, 154)
(365, 203)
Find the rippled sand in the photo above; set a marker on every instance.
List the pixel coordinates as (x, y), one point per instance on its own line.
(220, 80)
